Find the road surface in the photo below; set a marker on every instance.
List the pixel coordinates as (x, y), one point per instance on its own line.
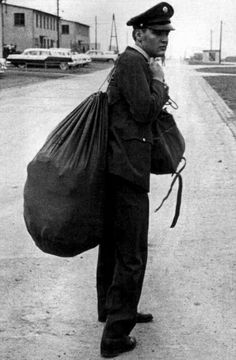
(48, 304)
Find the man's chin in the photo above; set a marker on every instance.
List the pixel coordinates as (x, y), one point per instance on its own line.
(160, 54)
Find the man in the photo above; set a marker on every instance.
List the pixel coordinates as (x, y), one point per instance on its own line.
(136, 94)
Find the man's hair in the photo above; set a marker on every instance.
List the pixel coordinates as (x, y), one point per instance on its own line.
(135, 30)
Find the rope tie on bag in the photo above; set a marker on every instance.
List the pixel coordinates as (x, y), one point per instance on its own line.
(177, 176)
(172, 103)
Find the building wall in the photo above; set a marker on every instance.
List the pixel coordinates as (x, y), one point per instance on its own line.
(21, 36)
(77, 38)
(45, 30)
(94, 46)
(211, 56)
(40, 30)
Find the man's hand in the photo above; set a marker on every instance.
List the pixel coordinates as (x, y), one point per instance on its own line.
(156, 70)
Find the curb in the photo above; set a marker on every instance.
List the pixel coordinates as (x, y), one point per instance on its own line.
(226, 114)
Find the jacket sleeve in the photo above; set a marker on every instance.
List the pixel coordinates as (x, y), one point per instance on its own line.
(145, 101)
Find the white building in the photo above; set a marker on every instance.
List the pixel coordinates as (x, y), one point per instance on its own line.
(211, 56)
(74, 35)
(26, 28)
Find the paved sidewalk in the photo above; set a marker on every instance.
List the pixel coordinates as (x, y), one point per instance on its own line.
(48, 304)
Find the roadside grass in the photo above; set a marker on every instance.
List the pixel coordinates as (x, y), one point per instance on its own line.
(218, 69)
(224, 85)
(18, 79)
(14, 77)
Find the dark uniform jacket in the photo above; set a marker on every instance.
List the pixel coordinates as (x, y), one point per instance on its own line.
(135, 100)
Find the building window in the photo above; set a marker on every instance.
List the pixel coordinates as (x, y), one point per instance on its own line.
(36, 42)
(212, 56)
(19, 19)
(40, 21)
(47, 22)
(65, 29)
(44, 22)
(37, 20)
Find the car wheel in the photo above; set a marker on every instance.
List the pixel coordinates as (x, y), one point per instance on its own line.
(64, 66)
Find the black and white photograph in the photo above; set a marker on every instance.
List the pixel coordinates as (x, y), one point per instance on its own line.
(117, 179)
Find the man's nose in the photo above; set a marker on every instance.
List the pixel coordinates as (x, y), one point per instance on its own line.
(165, 35)
(164, 38)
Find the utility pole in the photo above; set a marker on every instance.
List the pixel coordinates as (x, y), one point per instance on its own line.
(58, 24)
(113, 25)
(1, 29)
(220, 49)
(96, 40)
(211, 40)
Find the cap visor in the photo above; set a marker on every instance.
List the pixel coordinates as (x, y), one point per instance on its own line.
(161, 27)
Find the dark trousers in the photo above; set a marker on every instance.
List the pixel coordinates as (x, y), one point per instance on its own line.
(122, 256)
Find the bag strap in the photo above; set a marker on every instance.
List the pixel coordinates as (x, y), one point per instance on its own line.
(108, 77)
(178, 201)
(178, 177)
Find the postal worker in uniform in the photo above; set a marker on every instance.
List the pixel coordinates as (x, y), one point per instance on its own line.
(137, 92)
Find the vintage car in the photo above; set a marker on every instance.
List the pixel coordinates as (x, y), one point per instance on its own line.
(99, 55)
(54, 57)
(78, 59)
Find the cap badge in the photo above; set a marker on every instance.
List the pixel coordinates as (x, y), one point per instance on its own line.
(165, 10)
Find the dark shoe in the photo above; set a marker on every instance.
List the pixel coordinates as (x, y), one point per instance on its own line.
(114, 347)
(143, 318)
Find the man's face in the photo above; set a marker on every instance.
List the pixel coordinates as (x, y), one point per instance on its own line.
(154, 42)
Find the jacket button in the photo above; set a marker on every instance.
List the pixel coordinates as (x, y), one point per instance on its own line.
(144, 139)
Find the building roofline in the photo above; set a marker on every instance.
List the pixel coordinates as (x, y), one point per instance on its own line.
(28, 8)
(77, 22)
(216, 50)
(43, 12)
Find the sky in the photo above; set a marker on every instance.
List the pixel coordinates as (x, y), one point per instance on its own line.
(194, 21)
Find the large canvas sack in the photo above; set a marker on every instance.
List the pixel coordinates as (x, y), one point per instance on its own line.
(64, 191)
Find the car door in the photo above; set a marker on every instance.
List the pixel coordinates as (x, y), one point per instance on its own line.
(37, 57)
(100, 56)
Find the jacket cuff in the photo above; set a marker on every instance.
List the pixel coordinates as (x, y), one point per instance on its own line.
(161, 89)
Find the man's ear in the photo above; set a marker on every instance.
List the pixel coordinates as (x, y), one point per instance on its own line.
(139, 34)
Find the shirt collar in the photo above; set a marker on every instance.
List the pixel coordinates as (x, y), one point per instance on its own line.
(141, 51)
